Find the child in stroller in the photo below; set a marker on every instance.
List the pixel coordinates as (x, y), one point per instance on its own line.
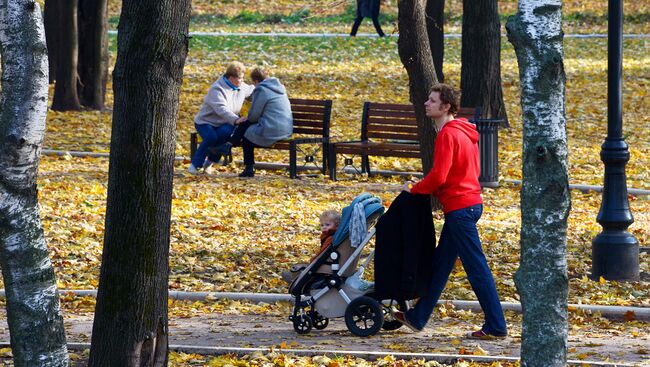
(329, 223)
(331, 286)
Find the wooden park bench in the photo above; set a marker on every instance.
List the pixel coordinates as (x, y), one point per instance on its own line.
(311, 125)
(388, 130)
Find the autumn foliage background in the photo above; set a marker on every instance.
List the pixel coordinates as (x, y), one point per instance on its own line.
(231, 234)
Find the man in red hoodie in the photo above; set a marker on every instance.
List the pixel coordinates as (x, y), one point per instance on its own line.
(454, 181)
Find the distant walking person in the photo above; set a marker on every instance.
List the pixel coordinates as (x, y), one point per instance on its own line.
(453, 179)
(367, 9)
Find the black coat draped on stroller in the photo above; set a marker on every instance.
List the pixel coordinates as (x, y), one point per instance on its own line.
(331, 285)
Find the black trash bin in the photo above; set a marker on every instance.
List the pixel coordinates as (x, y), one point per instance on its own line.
(488, 146)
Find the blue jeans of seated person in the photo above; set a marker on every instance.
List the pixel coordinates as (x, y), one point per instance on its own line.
(212, 137)
(459, 238)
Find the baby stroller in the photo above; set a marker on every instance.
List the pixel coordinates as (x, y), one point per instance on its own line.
(331, 285)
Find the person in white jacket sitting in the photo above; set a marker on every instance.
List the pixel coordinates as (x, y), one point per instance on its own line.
(219, 114)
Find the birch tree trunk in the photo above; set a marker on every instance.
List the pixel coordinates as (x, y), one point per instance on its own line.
(33, 310)
(415, 53)
(541, 280)
(130, 327)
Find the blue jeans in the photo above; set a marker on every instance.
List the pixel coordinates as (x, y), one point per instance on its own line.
(459, 237)
(212, 137)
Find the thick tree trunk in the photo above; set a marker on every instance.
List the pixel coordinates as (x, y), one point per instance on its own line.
(536, 33)
(480, 76)
(414, 51)
(33, 311)
(52, 35)
(130, 326)
(435, 13)
(65, 89)
(93, 52)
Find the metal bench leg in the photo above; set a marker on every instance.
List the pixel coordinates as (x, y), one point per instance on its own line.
(292, 160)
(326, 157)
(331, 163)
(365, 164)
(193, 144)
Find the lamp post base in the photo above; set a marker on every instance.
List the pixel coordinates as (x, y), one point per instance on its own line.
(615, 256)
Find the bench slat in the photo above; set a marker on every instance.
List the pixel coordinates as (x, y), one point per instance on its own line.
(382, 121)
(308, 130)
(307, 102)
(390, 106)
(406, 151)
(399, 114)
(308, 116)
(307, 123)
(315, 109)
(393, 129)
(394, 136)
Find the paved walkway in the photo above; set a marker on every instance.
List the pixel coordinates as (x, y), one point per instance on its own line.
(237, 332)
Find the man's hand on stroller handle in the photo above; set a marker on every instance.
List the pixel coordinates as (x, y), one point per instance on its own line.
(407, 186)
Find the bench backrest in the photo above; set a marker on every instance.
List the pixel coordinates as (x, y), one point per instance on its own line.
(392, 121)
(311, 117)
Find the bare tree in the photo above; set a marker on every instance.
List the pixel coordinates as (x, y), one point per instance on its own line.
(480, 76)
(52, 35)
(93, 52)
(130, 326)
(435, 13)
(414, 51)
(536, 33)
(33, 310)
(65, 89)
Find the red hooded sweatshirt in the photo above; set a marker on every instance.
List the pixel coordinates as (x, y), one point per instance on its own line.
(454, 176)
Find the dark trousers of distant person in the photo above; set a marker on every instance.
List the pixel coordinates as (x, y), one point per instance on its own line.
(375, 22)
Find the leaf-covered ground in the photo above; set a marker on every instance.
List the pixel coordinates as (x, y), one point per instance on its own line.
(238, 235)
(231, 234)
(351, 71)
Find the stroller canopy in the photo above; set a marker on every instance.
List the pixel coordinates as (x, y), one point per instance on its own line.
(371, 206)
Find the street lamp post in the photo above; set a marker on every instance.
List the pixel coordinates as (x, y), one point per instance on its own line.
(615, 252)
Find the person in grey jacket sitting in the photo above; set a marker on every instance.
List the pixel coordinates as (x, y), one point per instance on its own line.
(219, 114)
(269, 120)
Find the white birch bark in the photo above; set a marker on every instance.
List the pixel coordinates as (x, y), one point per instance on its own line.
(33, 311)
(536, 33)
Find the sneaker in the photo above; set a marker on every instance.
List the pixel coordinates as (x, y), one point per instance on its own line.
(208, 167)
(401, 317)
(192, 170)
(248, 171)
(481, 334)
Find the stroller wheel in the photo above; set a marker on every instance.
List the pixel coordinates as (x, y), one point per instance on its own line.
(389, 322)
(302, 324)
(319, 321)
(364, 316)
